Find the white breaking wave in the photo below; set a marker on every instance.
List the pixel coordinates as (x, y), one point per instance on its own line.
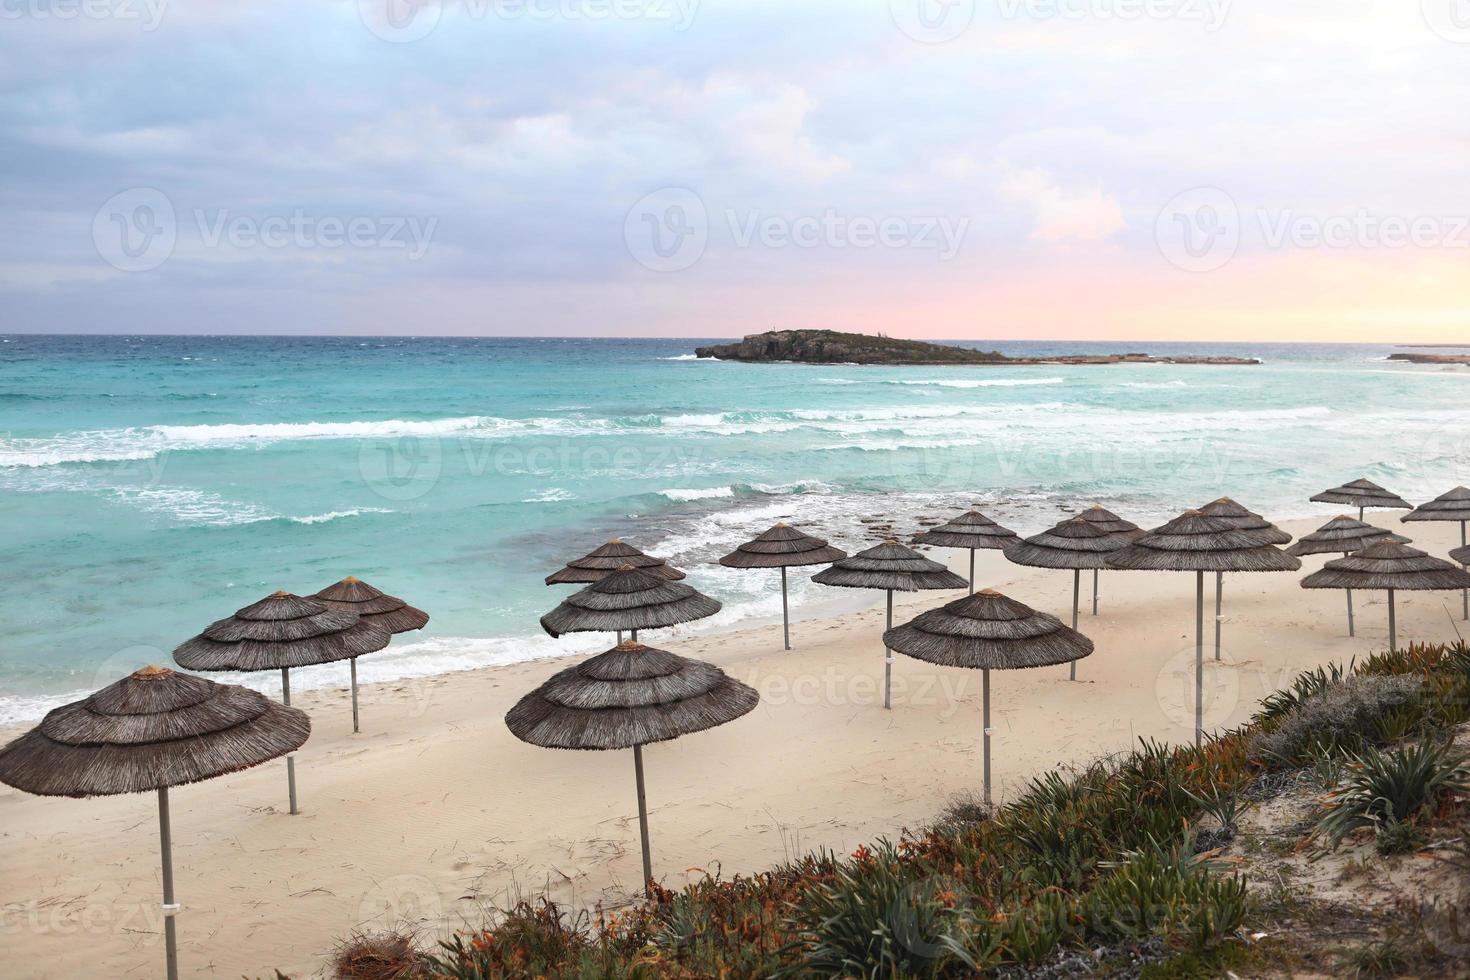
(687, 357)
(951, 382)
(550, 495)
(698, 494)
(338, 514)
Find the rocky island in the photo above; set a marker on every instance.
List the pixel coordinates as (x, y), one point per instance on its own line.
(1431, 358)
(834, 347)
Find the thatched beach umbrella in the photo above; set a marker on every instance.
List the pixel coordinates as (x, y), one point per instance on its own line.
(1362, 494)
(1452, 506)
(626, 698)
(1126, 531)
(988, 631)
(1074, 544)
(893, 568)
(1241, 519)
(1195, 543)
(279, 632)
(782, 547)
(1390, 566)
(372, 606)
(598, 562)
(628, 599)
(1343, 535)
(972, 531)
(145, 733)
(1461, 555)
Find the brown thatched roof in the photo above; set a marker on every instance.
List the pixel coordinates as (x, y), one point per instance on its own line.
(971, 530)
(1100, 516)
(1245, 520)
(1193, 542)
(1389, 565)
(1074, 543)
(1362, 493)
(372, 606)
(1342, 534)
(628, 599)
(630, 695)
(1451, 506)
(281, 630)
(988, 631)
(782, 547)
(1461, 555)
(598, 562)
(890, 565)
(152, 729)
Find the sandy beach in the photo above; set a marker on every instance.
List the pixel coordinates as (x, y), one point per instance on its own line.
(435, 810)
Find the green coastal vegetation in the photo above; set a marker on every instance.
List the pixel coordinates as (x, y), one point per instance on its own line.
(1326, 836)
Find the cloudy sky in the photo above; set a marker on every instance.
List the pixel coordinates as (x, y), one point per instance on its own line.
(1110, 169)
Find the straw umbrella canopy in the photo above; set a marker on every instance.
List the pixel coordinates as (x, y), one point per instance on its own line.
(598, 562)
(152, 730)
(279, 632)
(893, 568)
(972, 531)
(1393, 567)
(1126, 531)
(1343, 535)
(1195, 543)
(1362, 494)
(1074, 543)
(988, 631)
(1452, 506)
(1241, 519)
(782, 547)
(628, 599)
(372, 606)
(628, 697)
(1461, 555)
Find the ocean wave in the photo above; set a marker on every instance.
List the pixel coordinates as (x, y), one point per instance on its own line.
(950, 382)
(687, 357)
(335, 515)
(551, 495)
(698, 494)
(1176, 383)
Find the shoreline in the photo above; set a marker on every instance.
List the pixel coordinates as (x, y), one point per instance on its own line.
(436, 810)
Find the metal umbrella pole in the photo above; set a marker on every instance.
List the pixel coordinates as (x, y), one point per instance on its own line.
(1076, 596)
(1199, 656)
(1465, 593)
(888, 658)
(352, 662)
(1352, 629)
(985, 684)
(972, 568)
(643, 820)
(170, 907)
(1219, 590)
(1393, 626)
(290, 756)
(785, 616)
(1094, 592)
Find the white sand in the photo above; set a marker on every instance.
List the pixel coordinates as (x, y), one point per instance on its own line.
(435, 809)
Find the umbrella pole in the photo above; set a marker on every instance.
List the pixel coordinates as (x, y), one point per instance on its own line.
(1393, 626)
(620, 637)
(1464, 594)
(290, 756)
(1199, 655)
(888, 659)
(985, 683)
(1076, 593)
(972, 563)
(1094, 592)
(785, 616)
(1352, 629)
(1219, 589)
(352, 662)
(643, 820)
(170, 907)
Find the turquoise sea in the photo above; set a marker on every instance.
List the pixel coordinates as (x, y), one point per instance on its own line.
(150, 485)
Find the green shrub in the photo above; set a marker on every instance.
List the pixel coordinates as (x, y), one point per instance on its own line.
(1383, 789)
(1346, 714)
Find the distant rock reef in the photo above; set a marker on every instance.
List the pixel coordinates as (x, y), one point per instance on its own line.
(832, 347)
(1431, 358)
